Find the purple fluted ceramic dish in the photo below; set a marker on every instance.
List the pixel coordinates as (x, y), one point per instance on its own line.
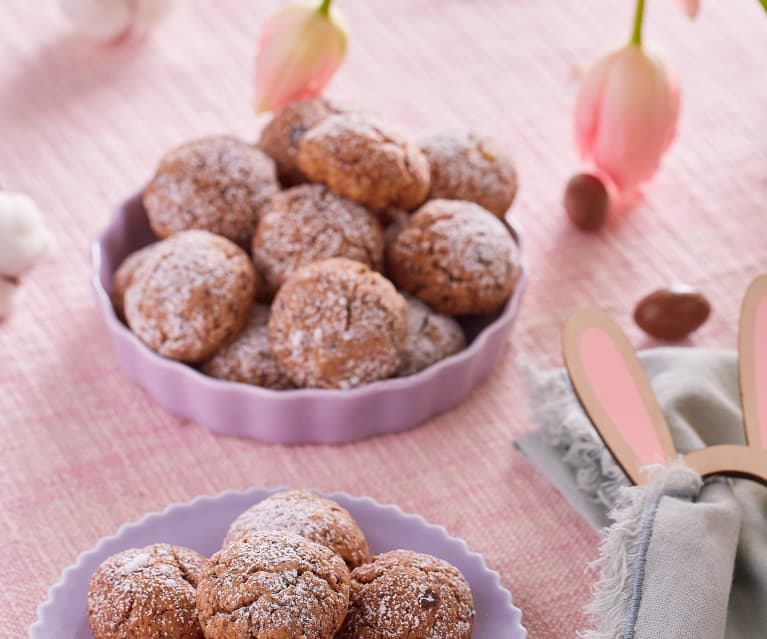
(202, 523)
(292, 416)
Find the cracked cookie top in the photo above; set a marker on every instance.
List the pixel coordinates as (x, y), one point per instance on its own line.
(468, 166)
(362, 159)
(146, 593)
(431, 337)
(248, 359)
(337, 324)
(317, 519)
(216, 184)
(309, 223)
(456, 256)
(282, 134)
(273, 585)
(191, 295)
(407, 595)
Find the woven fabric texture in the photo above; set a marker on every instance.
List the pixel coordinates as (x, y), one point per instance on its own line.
(82, 450)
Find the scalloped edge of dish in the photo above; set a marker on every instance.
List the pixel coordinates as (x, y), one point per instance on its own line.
(172, 383)
(49, 607)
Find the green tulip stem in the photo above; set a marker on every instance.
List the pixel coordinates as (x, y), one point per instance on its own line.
(636, 34)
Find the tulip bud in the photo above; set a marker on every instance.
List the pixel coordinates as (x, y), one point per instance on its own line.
(300, 49)
(626, 115)
(690, 7)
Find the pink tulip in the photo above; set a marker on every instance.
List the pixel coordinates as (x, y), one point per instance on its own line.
(625, 116)
(300, 49)
(690, 7)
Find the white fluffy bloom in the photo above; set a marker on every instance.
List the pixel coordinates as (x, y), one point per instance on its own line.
(24, 239)
(107, 20)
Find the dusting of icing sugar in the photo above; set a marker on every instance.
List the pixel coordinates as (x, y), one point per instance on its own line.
(191, 295)
(467, 166)
(337, 324)
(303, 513)
(123, 276)
(358, 157)
(147, 592)
(457, 253)
(309, 223)
(273, 584)
(248, 359)
(215, 184)
(430, 338)
(406, 594)
(296, 338)
(136, 563)
(280, 137)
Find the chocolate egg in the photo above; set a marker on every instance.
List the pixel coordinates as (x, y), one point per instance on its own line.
(586, 201)
(672, 313)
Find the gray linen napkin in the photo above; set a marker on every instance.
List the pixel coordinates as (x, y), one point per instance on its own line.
(682, 558)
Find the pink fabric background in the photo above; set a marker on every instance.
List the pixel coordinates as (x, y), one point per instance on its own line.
(82, 450)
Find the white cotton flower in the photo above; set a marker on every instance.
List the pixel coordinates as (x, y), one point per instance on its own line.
(24, 239)
(107, 20)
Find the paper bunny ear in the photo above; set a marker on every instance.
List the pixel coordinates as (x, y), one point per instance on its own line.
(752, 362)
(748, 461)
(616, 393)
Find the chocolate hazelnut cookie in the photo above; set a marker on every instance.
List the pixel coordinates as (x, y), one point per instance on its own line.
(431, 337)
(358, 157)
(282, 134)
(467, 166)
(248, 359)
(309, 223)
(146, 593)
(191, 295)
(216, 184)
(406, 595)
(337, 324)
(456, 256)
(317, 519)
(273, 585)
(123, 277)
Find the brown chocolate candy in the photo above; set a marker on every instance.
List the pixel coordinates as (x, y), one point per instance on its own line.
(586, 201)
(672, 313)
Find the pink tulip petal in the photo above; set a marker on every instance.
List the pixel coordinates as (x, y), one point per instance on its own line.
(587, 106)
(631, 119)
(690, 7)
(299, 51)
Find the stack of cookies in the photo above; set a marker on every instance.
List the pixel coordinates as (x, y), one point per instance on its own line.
(293, 565)
(332, 254)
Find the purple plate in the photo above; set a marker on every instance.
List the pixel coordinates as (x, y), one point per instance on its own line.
(202, 523)
(292, 416)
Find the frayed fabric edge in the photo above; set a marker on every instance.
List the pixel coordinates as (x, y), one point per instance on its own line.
(616, 595)
(622, 552)
(569, 431)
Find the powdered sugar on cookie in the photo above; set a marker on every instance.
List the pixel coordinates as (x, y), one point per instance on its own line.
(191, 295)
(303, 513)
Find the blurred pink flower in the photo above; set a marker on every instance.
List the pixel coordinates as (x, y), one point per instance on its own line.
(626, 115)
(300, 49)
(110, 20)
(690, 7)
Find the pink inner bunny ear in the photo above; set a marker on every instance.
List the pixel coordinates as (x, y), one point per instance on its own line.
(615, 392)
(752, 346)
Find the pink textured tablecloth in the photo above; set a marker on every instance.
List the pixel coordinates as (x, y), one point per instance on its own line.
(82, 450)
